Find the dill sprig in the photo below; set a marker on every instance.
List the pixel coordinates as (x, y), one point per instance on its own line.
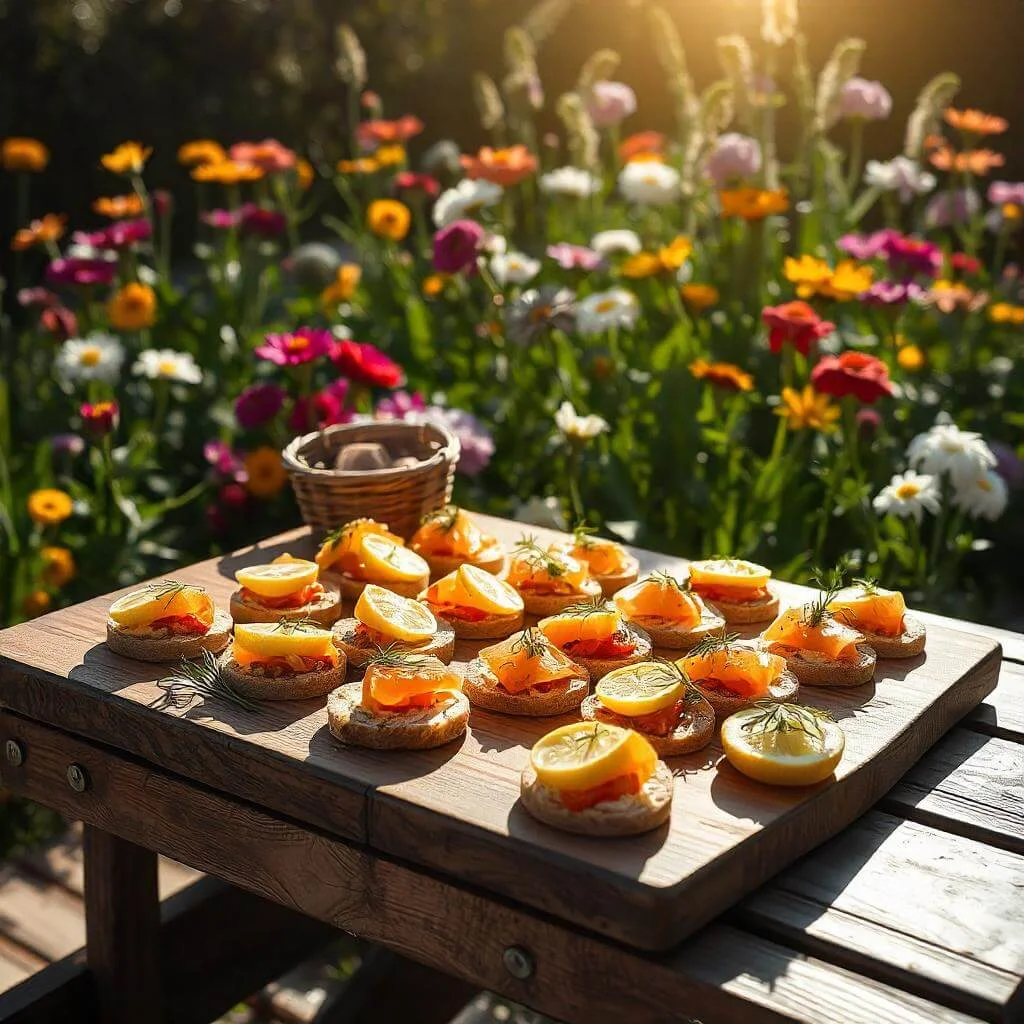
(166, 591)
(581, 746)
(445, 517)
(586, 607)
(868, 586)
(532, 641)
(528, 548)
(666, 579)
(394, 656)
(714, 642)
(336, 536)
(194, 679)
(691, 695)
(772, 717)
(583, 534)
(296, 625)
(831, 582)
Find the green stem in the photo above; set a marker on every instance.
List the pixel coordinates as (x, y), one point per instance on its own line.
(856, 154)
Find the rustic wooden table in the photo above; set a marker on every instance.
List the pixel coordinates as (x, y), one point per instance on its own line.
(913, 913)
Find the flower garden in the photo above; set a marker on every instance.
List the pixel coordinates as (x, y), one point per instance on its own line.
(693, 341)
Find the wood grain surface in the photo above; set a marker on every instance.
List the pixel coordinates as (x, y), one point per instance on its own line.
(456, 810)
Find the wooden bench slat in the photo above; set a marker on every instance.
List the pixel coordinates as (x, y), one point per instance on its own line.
(1001, 713)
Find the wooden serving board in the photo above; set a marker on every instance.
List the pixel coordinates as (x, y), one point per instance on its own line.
(456, 810)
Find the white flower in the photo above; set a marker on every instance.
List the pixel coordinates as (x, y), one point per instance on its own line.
(166, 364)
(98, 357)
(900, 174)
(948, 449)
(619, 240)
(601, 311)
(577, 427)
(466, 199)
(649, 183)
(908, 494)
(570, 181)
(494, 243)
(984, 497)
(513, 268)
(541, 512)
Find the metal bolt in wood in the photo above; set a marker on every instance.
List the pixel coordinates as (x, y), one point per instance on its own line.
(518, 962)
(78, 778)
(15, 753)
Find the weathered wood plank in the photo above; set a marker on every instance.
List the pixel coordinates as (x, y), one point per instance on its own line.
(40, 916)
(63, 992)
(16, 963)
(1001, 713)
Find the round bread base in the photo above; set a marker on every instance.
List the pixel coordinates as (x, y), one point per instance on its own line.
(812, 671)
(419, 729)
(442, 565)
(600, 667)
(744, 613)
(493, 627)
(695, 730)
(908, 644)
(284, 687)
(784, 690)
(628, 816)
(351, 588)
(325, 611)
(551, 604)
(614, 582)
(677, 638)
(441, 645)
(170, 648)
(481, 687)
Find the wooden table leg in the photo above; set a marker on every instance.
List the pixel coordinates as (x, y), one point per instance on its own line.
(122, 928)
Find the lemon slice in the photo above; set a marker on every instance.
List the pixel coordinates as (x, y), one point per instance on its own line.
(640, 689)
(783, 744)
(729, 572)
(394, 615)
(272, 639)
(278, 579)
(586, 754)
(489, 593)
(385, 560)
(158, 600)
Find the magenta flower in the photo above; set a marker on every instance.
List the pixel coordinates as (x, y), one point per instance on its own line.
(867, 247)
(83, 272)
(891, 293)
(456, 247)
(908, 256)
(119, 235)
(233, 496)
(258, 404)
(301, 346)
(399, 405)
(475, 441)
(575, 257)
(611, 103)
(255, 220)
(1002, 192)
(735, 158)
(224, 461)
(323, 409)
(864, 99)
(409, 181)
(222, 220)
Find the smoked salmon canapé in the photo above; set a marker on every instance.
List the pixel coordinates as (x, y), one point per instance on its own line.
(477, 605)
(405, 702)
(548, 581)
(450, 537)
(881, 615)
(595, 635)
(608, 561)
(668, 611)
(383, 619)
(526, 674)
(286, 588)
(655, 699)
(364, 551)
(598, 780)
(738, 590)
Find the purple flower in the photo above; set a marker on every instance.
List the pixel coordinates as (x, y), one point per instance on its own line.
(611, 103)
(1009, 465)
(867, 247)
(943, 211)
(456, 247)
(301, 346)
(67, 444)
(222, 220)
(255, 220)
(735, 158)
(870, 101)
(908, 256)
(891, 293)
(399, 405)
(80, 271)
(575, 257)
(1002, 192)
(119, 235)
(476, 443)
(258, 404)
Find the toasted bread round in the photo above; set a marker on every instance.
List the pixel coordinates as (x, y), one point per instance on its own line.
(326, 610)
(627, 816)
(785, 689)
(814, 670)
(490, 627)
(612, 583)
(351, 588)
(481, 687)
(600, 667)
(416, 729)
(908, 644)
(491, 559)
(549, 604)
(143, 647)
(694, 730)
(261, 686)
(678, 638)
(742, 613)
(440, 645)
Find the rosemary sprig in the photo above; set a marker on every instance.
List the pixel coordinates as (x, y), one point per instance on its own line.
(528, 548)
(772, 717)
(445, 517)
(203, 678)
(831, 582)
(713, 642)
(869, 587)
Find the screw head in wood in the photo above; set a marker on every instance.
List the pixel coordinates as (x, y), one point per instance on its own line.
(78, 778)
(518, 962)
(15, 753)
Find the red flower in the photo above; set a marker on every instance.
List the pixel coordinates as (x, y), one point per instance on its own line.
(795, 322)
(852, 373)
(965, 264)
(409, 181)
(59, 321)
(363, 363)
(99, 418)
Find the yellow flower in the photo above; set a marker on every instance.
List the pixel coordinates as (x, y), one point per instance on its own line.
(808, 273)
(201, 151)
(753, 203)
(227, 172)
(133, 307)
(434, 285)
(117, 207)
(641, 264)
(266, 473)
(910, 357)
(1012, 211)
(128, 158)
(40, 232)
(668, 258)
(388, 218)
(24, 155)
(58, 566)
(344, 285)
(676, 253)
(807, 410)
(1004, 313)
(848, 281)
(699, 296)
(36, 603)
(49, 507)
(723, 375)
(364, 165)
(304, 173)
(390, 156)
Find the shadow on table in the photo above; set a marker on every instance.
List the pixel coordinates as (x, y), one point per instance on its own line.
(263, 552)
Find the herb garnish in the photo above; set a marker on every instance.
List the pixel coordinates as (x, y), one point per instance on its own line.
(532, 641)
(586, 607)
(583, 535)
(193, 679)
(395, 656)
(166, 591)
(445, 517)
(772, 717)
(528, 548)
(666, 579)
(869, 587)
(290, 626)
(714, 642)
(831, 582)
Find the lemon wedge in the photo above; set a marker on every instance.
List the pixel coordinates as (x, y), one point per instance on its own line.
(279, 578)
(783, 744)
(640, 689)
(273, 639)
(394, 615)
(586, 754)
(488, 593)
(383, 559)
(157, 600)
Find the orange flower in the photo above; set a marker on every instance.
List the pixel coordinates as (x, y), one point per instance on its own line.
(364, 165)
(1012, 211)
(133, 307)
(58, 565)
(227, 172)
(1005, 313)
(753, 203)
(974, 161)
(117, 207)
(434, 285)
(269, 155)
(390, 156)
(36, 602)
(19, 154)
(388, 218)
(304, 173)
(642, 145)
(699, 297)
(668, 258)
(201, 151)
(974, 122)
(949, 296)
(504, 167)
(49, 507)
(380, 132)
(128, 158)
(266, 475)
(723, 375)
(39, 232)
(344, 285)
(910, 357)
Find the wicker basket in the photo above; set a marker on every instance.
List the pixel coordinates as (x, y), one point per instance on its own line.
(399, 497)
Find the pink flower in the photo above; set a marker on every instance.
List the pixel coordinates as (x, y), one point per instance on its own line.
(301, 346)
(268, 154)
(735, 158)
(575, 257)
(867, 247)
(224, 461)
(222, 220)
(870, 101)
(1002, 192)
(258, 404)
(456, 247)
(363, 363)
(907, 255)
(408, 181)
(119, 235)
(943, 211)
(399, 405)
(611, 103)
(891, 293)
(59, 321)
(255, 220)
(99, 418)
(83, 272)
(37, 297)
(323, 409)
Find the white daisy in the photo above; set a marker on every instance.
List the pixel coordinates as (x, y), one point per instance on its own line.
(573, 182)
(577, 427)
(494, 243)
(900, 174)
(649, 183)
(946, 448)
(984, 497)
(617, 240)
(909, 494)
(601, 311)
(166, 364)
(466, 199)
(513, 268)
(98, 357)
